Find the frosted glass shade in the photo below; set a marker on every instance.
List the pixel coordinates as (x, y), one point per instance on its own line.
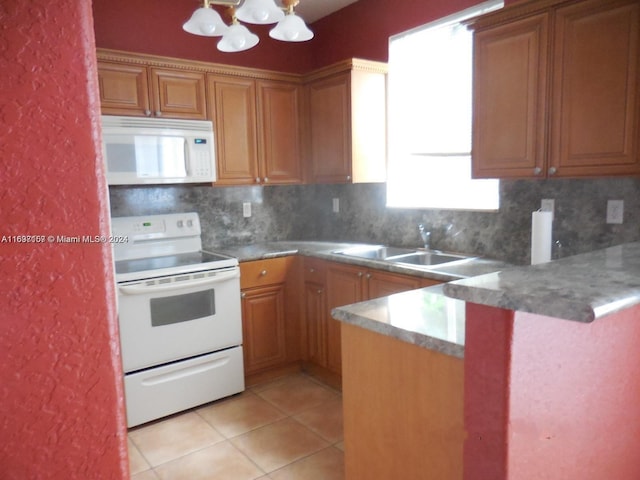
(205, 22)
(259, 12)
(291, 29)
(237, 38)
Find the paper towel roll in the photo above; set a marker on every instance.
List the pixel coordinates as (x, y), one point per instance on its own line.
(541, 233)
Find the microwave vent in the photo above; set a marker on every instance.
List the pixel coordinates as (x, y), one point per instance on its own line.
(156, 123)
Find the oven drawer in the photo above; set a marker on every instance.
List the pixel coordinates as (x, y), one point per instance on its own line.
(161, 391)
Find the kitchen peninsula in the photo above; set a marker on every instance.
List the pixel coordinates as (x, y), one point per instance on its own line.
(547, 389)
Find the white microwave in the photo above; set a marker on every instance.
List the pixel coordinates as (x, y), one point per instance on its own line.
(141, 151)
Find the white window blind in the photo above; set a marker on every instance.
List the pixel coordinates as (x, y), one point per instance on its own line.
(430, 84)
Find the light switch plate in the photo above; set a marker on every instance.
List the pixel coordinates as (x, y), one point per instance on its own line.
(615, 211)
(246, 209)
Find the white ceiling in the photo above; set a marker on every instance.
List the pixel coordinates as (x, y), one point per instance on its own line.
(312, 10)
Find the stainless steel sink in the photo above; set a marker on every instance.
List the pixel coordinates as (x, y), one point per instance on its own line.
(423, 259)
(406, 256)
(375, 252)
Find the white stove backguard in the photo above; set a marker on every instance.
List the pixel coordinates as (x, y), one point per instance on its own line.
(156, 235)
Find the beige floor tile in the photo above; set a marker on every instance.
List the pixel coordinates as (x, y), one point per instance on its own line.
(276, 381)
(137, 463)
(327, 464)
(278, 444)
(174, 437)
(148, 475)
(221, 461)
(240, 414)
(296, 394)
(325, 420)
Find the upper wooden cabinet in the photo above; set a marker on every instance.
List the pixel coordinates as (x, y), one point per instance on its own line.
(258, 128)
(232, 102)
(271, 128)
(347, 123)
(280, 131)
(139, 90)
(556, 90)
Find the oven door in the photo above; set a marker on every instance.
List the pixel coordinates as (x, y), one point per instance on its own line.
(171, 318)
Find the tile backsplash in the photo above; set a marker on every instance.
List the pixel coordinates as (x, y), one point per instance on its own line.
(304, 212)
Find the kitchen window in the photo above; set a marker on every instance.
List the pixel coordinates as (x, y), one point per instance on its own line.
(429, 125)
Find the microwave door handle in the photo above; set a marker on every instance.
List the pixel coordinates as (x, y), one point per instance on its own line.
(186, 158)
(142, 289)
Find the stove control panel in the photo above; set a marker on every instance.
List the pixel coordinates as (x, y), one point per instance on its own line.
(158, 234)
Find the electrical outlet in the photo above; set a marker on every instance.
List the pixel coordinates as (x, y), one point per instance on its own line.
(336, 205)
(548, 205)
(246, 209)
(615, 211)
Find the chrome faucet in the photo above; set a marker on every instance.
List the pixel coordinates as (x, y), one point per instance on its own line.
(426, 236)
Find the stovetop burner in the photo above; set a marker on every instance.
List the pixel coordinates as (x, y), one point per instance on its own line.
(172, 264)
(161, 246)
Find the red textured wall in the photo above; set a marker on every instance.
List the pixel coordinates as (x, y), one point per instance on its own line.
(574, 412)
(549, 398)
(362, 30)
(60, 377)
(488, 334)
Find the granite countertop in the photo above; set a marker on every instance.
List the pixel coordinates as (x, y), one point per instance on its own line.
(326, 250)
(424, 317)
(582, 288)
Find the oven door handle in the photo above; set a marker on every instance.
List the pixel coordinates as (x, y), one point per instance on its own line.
(141, 289)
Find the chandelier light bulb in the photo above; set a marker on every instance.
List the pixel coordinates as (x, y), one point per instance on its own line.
(260, 12)
(237, 38)
(205, 22)
(291, 29)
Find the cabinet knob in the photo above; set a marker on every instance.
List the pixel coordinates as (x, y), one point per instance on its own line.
(311, 270)
(319, 291)
(257, 179)
(552, 170)
(147, 113)
(263, 273)
(158, 113)
(242, 294)
(537, 171)
(348, 178)
(368, 276)
(360, 274)
(266, 179)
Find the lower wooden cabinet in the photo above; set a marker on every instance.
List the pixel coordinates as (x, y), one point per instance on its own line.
(328, 285)
(270, 317)
(286, 312)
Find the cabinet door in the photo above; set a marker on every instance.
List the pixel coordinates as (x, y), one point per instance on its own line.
(595, 89)
(315, 300)
(382, 284)
(509, 99)
(280, 132)
(178, 94)
(344, 286)
(233, 106)
(263, 328)
(330, 130)
(124, 89)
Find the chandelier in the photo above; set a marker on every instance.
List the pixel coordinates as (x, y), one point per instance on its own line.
(236, 37)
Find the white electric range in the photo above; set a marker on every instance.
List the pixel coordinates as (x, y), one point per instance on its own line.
(179, 316)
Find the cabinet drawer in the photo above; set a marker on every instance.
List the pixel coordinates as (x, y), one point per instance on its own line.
(314, 270)
(264, 272)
